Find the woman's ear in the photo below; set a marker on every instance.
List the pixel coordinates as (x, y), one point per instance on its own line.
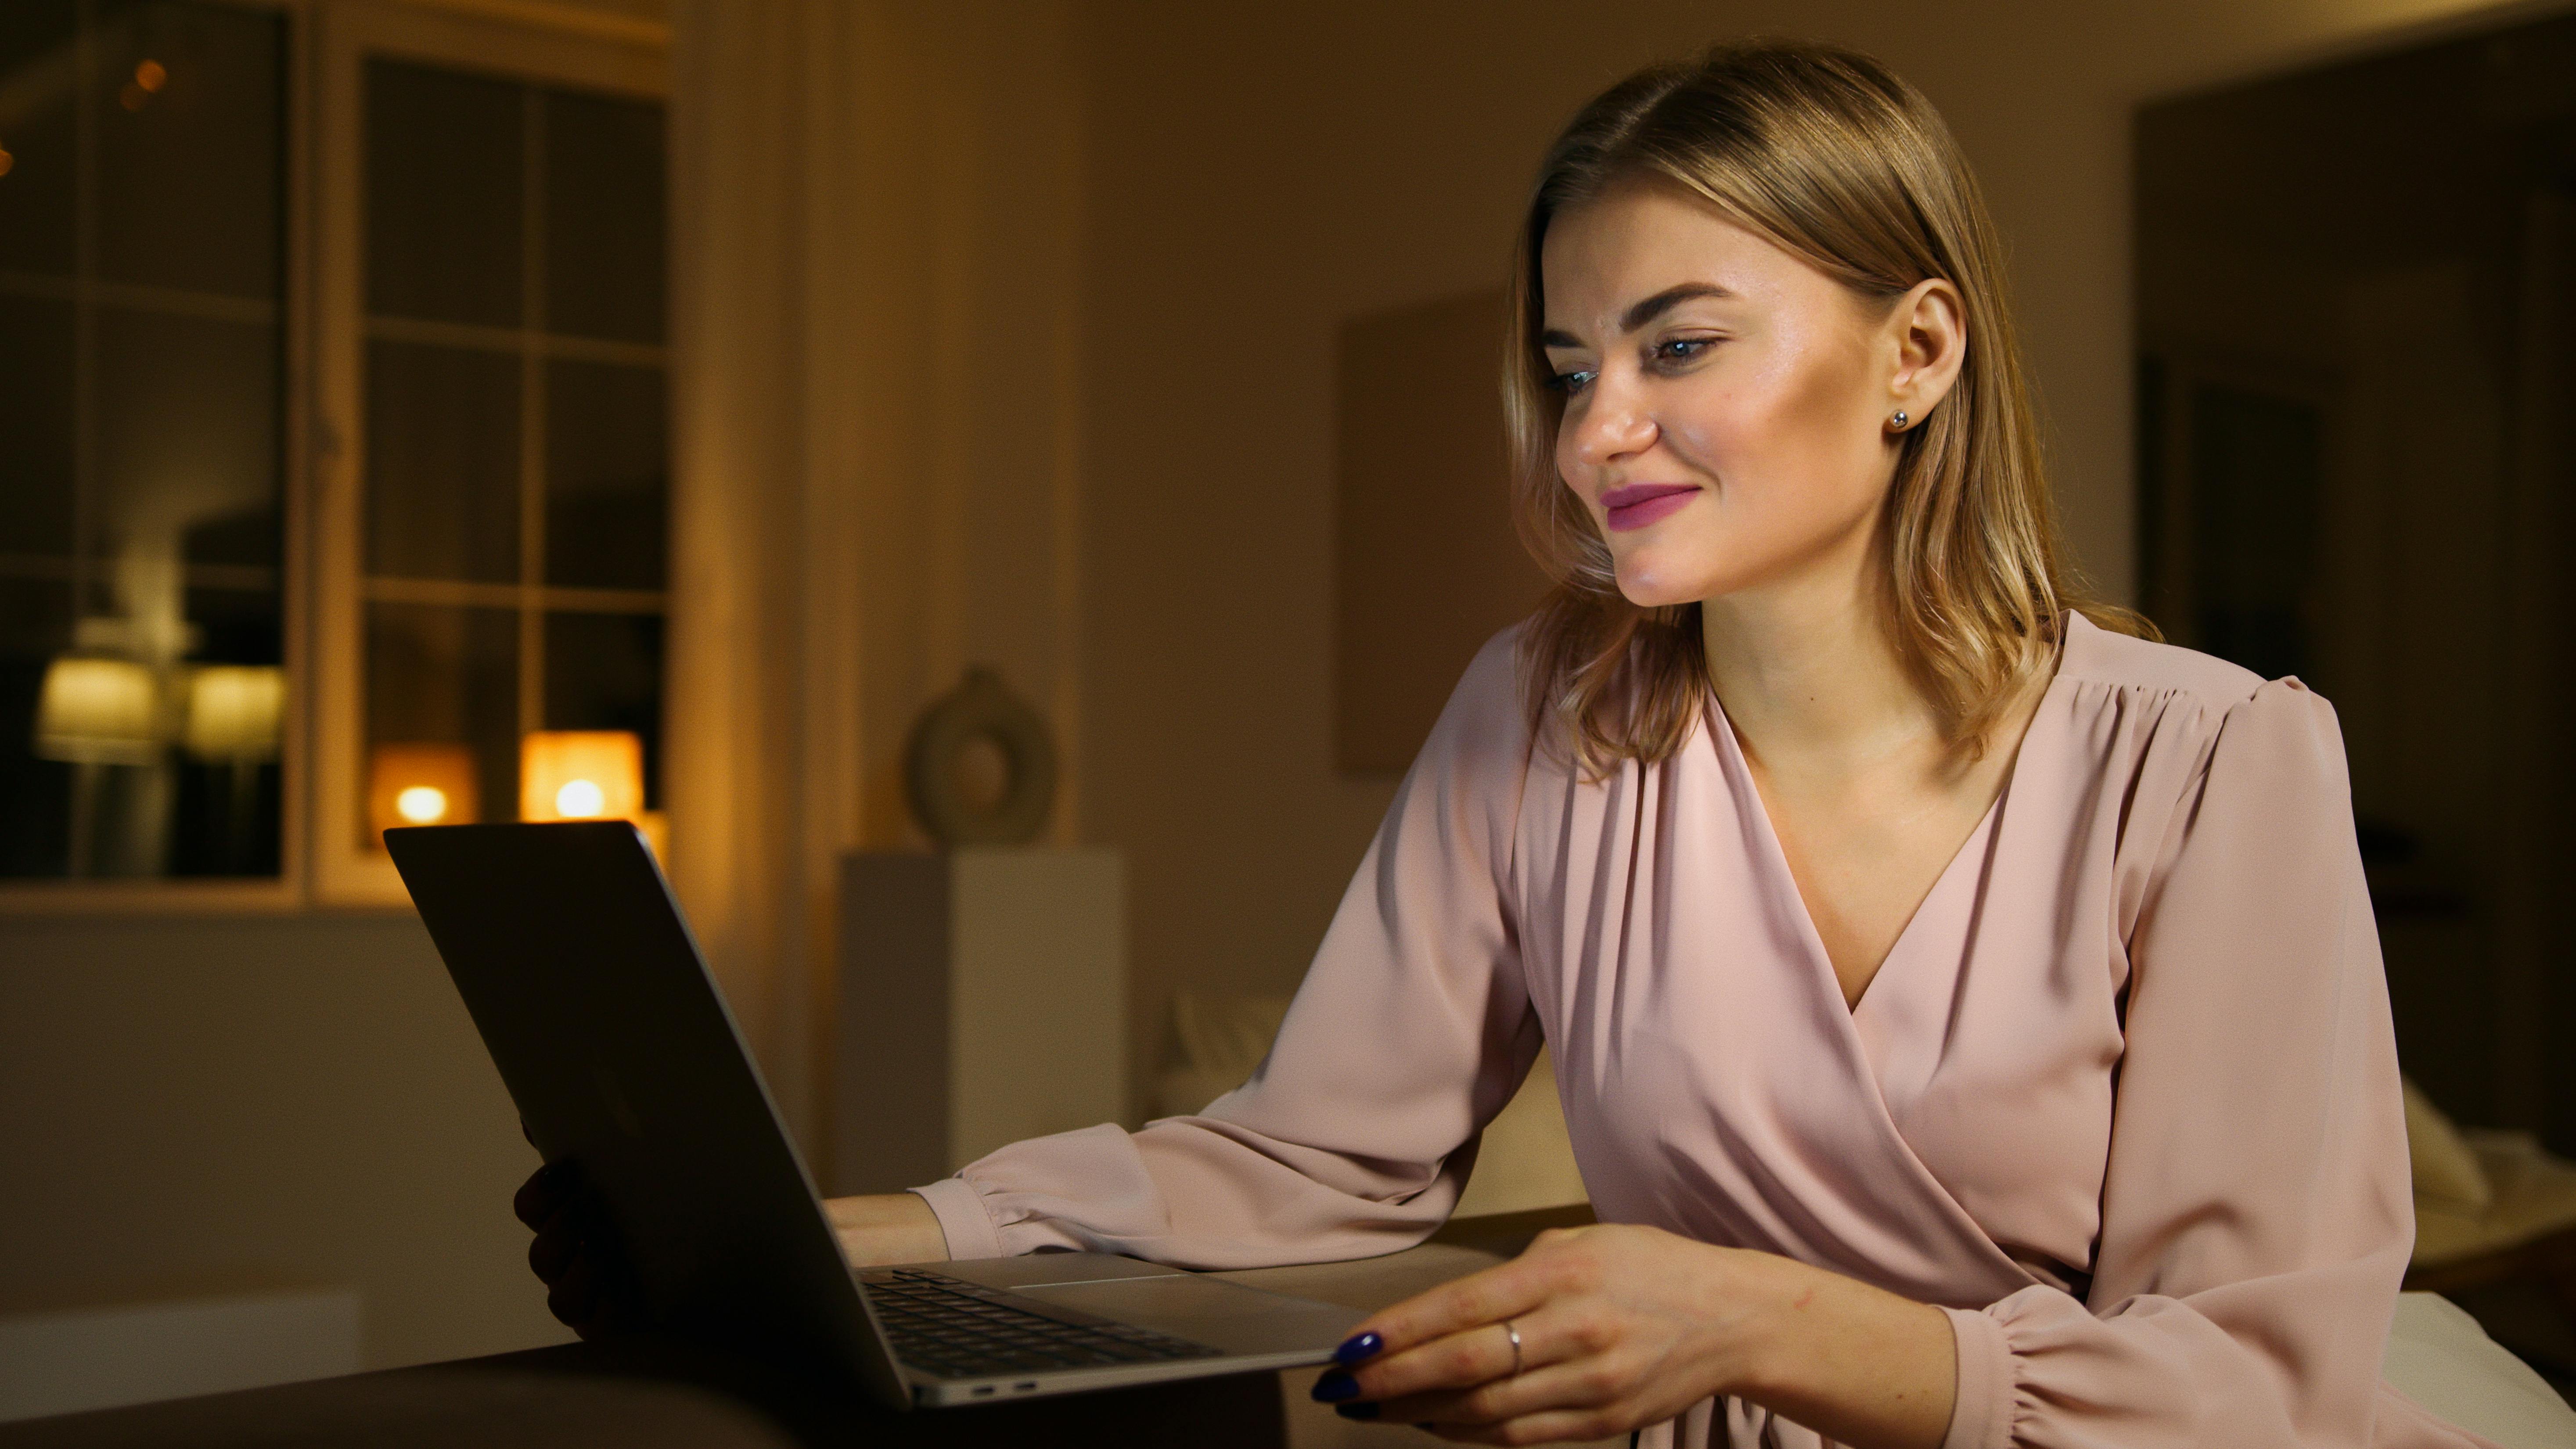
(1931, 335)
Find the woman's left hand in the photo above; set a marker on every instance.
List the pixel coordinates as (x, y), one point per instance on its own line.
(1619, 1327)
(1624, 1326)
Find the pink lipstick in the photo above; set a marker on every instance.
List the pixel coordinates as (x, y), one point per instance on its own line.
(1639, 504)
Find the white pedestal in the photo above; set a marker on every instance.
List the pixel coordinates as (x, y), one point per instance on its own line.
(983, 999)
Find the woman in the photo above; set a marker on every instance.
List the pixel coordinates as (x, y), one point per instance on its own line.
(1967, 1012)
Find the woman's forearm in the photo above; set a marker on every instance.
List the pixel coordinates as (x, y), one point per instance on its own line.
(1857, 1364)
(896, 1227)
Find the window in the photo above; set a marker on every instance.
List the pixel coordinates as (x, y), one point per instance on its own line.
(142, 353)
(333, 368)
(495, 515)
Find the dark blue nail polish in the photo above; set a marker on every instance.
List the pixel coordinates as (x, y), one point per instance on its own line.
(1336, 1386)
(1356, 1411)
(1360, 1349)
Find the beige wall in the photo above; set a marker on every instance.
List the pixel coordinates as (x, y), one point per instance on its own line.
(1258, 173)
(283, 1100)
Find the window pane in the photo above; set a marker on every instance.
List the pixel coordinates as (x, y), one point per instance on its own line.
(38, 72)
(36, 421)
(603, 217)
(35, 794)
(442, 463)
(444, 157)
(607, 476)
(190, 148)
(448, 676)
(187, 441)
(604, 672)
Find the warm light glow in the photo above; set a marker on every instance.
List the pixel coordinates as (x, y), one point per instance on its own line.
(235, 712)
(422, 804)
(151, 76)
(581, 775)
(420, 783)
(98, 710)
(6, 161)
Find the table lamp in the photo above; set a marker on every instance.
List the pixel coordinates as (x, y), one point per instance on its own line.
(99, 710)
(587, 775)
(236, 713)
(420, 783)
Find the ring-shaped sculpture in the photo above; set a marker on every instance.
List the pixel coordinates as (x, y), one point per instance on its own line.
(980, 708)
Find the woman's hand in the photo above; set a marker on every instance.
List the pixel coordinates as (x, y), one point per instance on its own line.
(582, 1286)
(586, 1287)
(897, 1227)
(1621, 1327)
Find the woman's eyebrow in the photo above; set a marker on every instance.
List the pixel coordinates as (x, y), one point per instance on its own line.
(1667, 299)
(1645, 311)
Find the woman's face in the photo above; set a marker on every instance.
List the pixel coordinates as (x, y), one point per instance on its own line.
(1727, 406)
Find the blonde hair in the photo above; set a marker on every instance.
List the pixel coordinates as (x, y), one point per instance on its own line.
(1828, 155)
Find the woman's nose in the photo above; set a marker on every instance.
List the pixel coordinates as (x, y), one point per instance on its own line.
(1612, 425)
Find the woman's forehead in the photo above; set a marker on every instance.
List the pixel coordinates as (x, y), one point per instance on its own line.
(1604, 256)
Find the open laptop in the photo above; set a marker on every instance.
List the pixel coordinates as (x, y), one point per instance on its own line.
(590, 993)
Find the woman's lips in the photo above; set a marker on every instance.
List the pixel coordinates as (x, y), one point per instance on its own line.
(1639, 504)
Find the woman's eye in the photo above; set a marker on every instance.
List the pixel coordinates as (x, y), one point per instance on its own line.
(1571, 382)
(1682, 349)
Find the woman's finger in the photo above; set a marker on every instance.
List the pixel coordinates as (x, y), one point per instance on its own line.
(1555, 1371)
(555, 1248)
(543, 1194)
(574, 1297)
(1505, 1291)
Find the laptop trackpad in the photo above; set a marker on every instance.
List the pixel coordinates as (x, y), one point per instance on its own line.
(1225, 1316)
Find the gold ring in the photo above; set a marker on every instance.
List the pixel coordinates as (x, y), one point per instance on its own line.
(1514, 1335)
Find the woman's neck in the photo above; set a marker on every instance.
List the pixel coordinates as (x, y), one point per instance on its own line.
(1808, 675)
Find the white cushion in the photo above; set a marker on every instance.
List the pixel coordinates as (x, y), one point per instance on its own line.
(2446, 1171)
(2439, 1357)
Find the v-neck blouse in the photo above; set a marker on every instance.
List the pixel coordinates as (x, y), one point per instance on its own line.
(2122, 1099)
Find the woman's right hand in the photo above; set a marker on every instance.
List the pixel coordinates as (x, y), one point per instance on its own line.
(569, 1260)
(579, 1271)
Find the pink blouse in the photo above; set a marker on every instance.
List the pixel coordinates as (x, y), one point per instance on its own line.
(2122, 1100)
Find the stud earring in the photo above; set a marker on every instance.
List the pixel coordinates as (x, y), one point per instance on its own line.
(1898, 421)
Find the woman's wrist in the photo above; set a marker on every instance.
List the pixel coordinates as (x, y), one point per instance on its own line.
(887, 1228)
(1856, 1363)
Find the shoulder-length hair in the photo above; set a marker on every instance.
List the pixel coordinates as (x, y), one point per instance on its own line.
(1829, 156)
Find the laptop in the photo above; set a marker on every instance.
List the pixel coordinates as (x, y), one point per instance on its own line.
(580, 973)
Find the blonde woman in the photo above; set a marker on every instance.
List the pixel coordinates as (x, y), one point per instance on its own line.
(1967, 1011)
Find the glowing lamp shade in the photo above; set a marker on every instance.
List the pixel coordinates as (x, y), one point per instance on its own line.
(95, 710)
(234, 712)
(581, 775)
(420, 784)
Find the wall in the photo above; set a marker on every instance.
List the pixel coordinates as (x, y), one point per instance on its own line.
(1258, 173)
(298, 1100)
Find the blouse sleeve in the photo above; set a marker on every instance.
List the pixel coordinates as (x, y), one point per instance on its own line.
(1355, 1136)
(2256, 1212)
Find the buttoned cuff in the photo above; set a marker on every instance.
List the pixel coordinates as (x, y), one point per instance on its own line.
(1981, 1411)
(962, 1219)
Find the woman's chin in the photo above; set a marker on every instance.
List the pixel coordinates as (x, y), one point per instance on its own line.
(1648, 589)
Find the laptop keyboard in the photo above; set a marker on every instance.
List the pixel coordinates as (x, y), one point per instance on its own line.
(959, 1331)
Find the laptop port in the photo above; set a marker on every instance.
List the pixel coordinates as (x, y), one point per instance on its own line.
(1028, 1387)
(982, 1389)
